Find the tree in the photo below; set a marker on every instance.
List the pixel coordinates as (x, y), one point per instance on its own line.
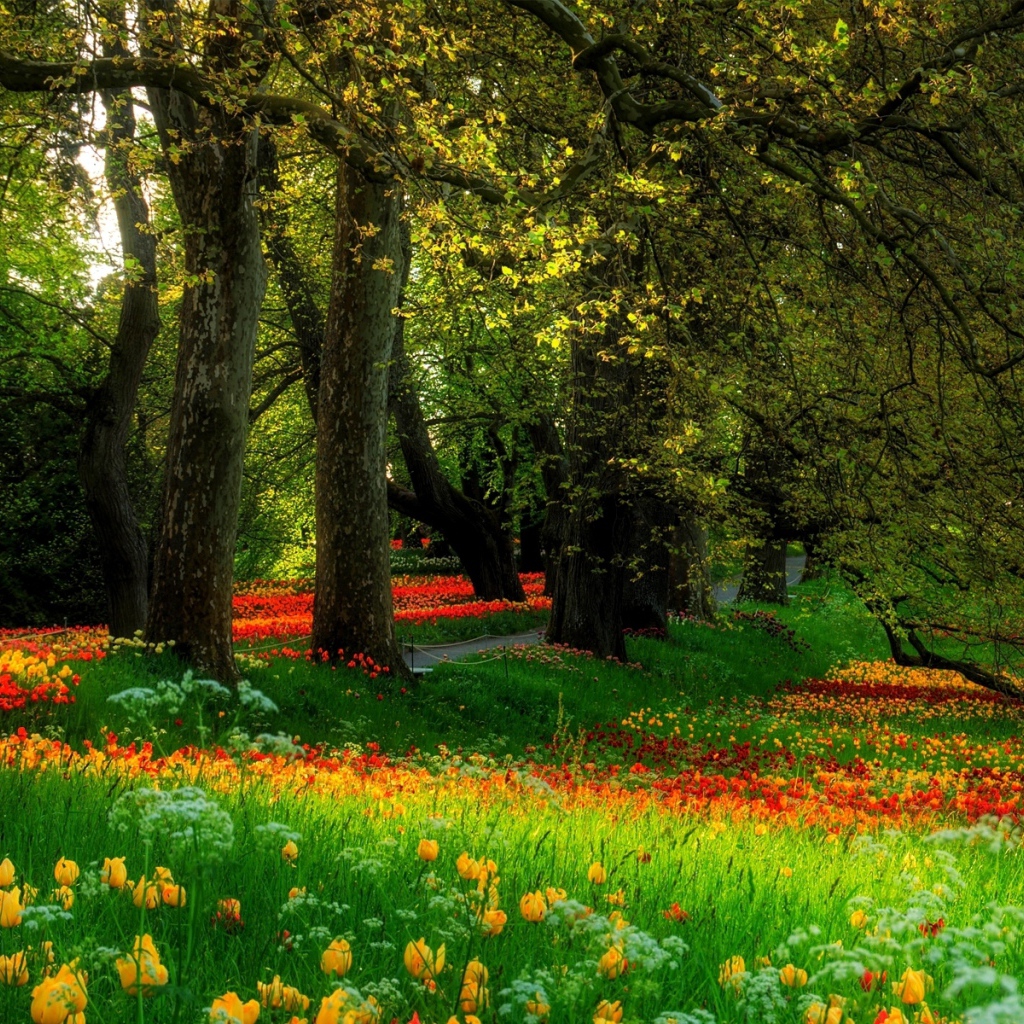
(109, 407)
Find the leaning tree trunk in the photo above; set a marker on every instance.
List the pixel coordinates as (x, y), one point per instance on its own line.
(108, 414)
(214, 183)
(764, 574)
(352, 608)
(691, 590)
(475, 532)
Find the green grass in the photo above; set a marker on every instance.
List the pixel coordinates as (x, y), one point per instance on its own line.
(359, 829)
(489, 702)
(365, 883)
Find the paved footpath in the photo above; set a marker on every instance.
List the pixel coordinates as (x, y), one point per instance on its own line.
(422, 658)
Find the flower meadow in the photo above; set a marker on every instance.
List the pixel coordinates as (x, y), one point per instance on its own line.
(834, 850)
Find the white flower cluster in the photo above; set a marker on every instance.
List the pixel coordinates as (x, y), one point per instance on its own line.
(185, 818)
(273, 833)
(763, 998)
(530, 989)
(140, 702)
(691, 1017)
(43, 915)
(255, 700)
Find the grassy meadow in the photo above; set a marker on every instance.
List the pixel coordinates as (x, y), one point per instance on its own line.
(756, 821)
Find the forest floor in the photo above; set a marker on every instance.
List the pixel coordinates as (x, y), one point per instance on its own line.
(760, 820)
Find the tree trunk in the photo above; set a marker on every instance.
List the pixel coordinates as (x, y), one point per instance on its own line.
(352, 609)
(764, 574)
(214, 183)
(531, 543)
(307, 320)
(554, 471)
(475, 532)
(646, 590)
(692, 593)
(586, 610)
(814, 567)
(108, 414)
(590, 574)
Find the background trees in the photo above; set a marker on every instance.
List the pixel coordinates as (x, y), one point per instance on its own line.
(612, 274)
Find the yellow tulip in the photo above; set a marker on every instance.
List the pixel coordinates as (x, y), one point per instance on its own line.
(729, 972)
(913, 986)
(337, 958)
(554, 896)
(475, 971)
(333, 1008)
(173, 895)
(492, 922)
(793, 977)
(66, 872)
(612, 964)
(113, 872)
(422, 962)
(819, 1013)
(473, 996)
(6, 873)
(14, 969)
(60, 998)
(10, 908)
(146, 892)
(65, 896)
(142, 967)
(537, 1007)
(786, 872)
(608, 1013)
(427, 850)
(290, 852)
(532, 907)
(596, 873)
(858, 919)
(229, 1009)
(275, 995)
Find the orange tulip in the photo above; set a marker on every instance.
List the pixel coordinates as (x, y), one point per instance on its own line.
(66, 872)
(229, 1009)
(14, 969)
(113, 872)
(532, 907)
(337, 958)
(142, 967)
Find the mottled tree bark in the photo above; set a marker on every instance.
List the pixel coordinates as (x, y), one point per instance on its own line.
(213, 179)
(646, 591)
(764, 574)
(307, 319)
(691, 590)
(590, 572)
(554, 469)
(352, 610)
(108, 412)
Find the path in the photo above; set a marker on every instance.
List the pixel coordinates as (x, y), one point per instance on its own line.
(726, 590)
(422, 658)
